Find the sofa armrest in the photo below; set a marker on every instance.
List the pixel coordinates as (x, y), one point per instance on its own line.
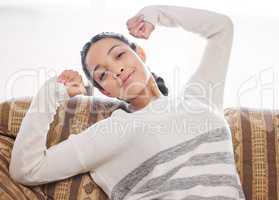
(255, 134)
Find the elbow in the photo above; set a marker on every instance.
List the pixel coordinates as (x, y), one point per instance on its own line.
(16, 173)
(19, 173)
(15, 169)
(228, 23)
(21, 176)
(225, 29)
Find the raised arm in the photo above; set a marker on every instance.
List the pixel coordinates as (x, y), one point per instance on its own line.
(32, 163)
(207, 82)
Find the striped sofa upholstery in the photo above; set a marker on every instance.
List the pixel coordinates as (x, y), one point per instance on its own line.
(255, 140)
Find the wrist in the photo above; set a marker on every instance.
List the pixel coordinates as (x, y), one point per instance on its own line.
(150, 14)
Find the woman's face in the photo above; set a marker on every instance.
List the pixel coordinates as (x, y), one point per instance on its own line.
(111, 61)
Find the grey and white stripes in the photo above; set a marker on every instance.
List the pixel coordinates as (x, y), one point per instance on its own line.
(169, 181)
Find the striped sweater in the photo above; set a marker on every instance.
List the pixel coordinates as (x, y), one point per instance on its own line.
(174, 148)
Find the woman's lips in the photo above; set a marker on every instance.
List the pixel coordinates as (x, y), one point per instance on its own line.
(128, 79)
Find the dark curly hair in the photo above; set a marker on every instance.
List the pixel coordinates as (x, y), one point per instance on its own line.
(159, 80)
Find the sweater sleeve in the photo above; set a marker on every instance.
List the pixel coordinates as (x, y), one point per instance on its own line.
(207, 82)
(32, 163)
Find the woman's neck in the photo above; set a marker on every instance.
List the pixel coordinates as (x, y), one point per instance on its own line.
(148, 94)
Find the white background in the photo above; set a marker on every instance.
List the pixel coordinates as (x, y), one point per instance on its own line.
(39, 38)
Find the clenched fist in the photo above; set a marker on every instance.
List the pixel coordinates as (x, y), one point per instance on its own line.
(139, 28)
(73, 82)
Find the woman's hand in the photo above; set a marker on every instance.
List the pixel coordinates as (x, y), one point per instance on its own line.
(139, 28)
(73, 82)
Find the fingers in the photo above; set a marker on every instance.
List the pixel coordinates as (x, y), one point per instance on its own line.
(69, 75)
(135, 24)
(73, 82)
(139, 28)
(134, 21)
(147, 30)
(75, 88)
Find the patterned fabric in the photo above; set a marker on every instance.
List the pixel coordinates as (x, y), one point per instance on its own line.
(255, 141)
(76, 115)
(8, 188)
(11, 114)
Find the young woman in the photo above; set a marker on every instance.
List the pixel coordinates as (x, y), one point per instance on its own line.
(165, 148)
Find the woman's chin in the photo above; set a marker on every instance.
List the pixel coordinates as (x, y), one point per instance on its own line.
(133, 91)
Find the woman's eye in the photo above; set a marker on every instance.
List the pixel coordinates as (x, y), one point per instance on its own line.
(119, 55)
(102, 75)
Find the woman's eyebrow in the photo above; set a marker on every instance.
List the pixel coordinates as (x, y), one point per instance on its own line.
(112, 48)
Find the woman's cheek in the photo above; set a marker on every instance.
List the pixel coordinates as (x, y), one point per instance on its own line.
(113, 87)
(131, 60)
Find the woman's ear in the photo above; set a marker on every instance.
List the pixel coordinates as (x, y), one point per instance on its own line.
(141, 53)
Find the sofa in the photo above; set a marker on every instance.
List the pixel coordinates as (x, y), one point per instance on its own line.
(255, 134)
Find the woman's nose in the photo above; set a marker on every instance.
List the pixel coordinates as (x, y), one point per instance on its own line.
(121, 70)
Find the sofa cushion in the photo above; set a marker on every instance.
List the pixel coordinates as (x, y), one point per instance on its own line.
(71, 117)
(8, 188)
(255, 139)
(11, 114)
